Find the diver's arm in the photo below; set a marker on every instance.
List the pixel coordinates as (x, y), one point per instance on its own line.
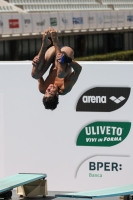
(76, 67)
(41, 85)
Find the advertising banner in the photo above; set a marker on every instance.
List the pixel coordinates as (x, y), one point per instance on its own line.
(37, 22)
(85, 17)
(92, 19)
(100, 20)
(45, 21)
(7, 23)
(2, 152)
(121, 19)
(128, 18)
(54, 20)
(86, 142)
(1, 24)
(112, 167)
(77, 20)
(15, 23)
(131, 18)
(26, 23)
(114, 19)
(62, 21)
(107, 19)
(68, 20)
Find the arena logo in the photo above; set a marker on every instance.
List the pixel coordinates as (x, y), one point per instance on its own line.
(103, 134)
(103, 99)
(13, 23)
(94, 99)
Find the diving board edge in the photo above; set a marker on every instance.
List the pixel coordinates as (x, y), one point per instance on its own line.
(73, 196)
(45, 175)
(93, 196)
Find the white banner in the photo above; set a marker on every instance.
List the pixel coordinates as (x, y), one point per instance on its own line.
(121, 19)
(114, 19)
(85, 16)
(1, 24)
(16, 23)
(114, 168)
(92, 19)
(62, 21)
(45, 21)
(84, 144)
(37, 22)
(131, 18)
(128, 18)
(8, 23)
(68, 21)
(107, 19)
(100, 20)
(26, 23)
(77, 20)
(2, 141)
(54, 20)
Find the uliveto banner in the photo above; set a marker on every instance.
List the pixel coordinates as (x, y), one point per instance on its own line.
(86, 143)
(103, 134)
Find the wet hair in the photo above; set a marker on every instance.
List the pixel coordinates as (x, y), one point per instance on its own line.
(50, 102)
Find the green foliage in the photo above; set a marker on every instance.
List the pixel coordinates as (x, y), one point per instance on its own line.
(118, 56)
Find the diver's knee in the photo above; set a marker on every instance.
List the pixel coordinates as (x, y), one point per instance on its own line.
(69, 51)
(34, 75)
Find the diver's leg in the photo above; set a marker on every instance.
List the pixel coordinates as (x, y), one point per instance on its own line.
(43, 60)
(64, 69)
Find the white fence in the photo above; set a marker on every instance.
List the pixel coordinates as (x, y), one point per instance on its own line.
(19, 23)
(36, 140)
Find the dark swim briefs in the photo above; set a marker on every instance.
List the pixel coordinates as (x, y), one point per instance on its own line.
(65, 59)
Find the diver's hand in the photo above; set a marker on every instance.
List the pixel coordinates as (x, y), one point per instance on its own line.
(36, 60)
(54, 35)
(45, 41)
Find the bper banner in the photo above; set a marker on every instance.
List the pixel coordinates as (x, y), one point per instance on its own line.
(84, 144)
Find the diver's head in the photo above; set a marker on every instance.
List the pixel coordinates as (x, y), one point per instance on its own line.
(51, 99)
